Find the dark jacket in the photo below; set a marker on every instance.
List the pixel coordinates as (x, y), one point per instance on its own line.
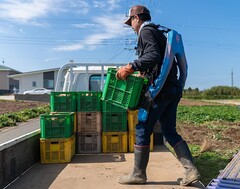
(151, 48)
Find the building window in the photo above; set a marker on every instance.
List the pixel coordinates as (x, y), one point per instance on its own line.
(34, 84)
(48, 80)
(48, 84)
(95, 82)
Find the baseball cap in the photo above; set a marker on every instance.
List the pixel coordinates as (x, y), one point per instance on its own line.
(137, 9)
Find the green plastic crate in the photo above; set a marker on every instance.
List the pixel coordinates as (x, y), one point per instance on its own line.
(114, 121)
(89, 101)
(63, 102)
(109, 107)
(57, 125)
(125, 94)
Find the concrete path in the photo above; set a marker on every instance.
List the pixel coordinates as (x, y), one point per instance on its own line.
(15, 133)
(101, 171)
(7, 97)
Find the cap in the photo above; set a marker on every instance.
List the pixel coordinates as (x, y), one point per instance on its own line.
(137, 9)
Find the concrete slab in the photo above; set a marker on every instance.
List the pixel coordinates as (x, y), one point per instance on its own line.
(7, 97)
(101, 171)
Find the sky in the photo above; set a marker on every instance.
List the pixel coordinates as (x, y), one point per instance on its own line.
(45, 34)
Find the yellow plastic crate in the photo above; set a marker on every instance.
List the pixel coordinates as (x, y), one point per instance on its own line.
(132, 140)
(114, 142)
(57, 150)
(132, 119)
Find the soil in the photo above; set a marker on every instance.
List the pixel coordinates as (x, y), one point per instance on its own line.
(217, 136)
(8, 106)
(210, 139)
(189, 102)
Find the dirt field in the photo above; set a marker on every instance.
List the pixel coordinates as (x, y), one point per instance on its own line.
(7, 106)
(215, 136)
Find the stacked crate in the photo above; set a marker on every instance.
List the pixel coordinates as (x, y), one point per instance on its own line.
(118, 96)
(114, 135)
(57, 142)
(132, 122)
(89, 125)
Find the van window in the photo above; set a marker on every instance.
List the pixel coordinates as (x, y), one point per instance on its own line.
(95, 82)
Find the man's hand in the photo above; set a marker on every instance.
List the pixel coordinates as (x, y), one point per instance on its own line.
(124, 71)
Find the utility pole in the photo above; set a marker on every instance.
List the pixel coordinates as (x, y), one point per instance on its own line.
(3, 61)
(232, 78)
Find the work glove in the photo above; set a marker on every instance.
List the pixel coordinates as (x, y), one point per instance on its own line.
(124, 71)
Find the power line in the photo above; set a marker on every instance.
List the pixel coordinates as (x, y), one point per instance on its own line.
(211, 46)
(114, 56)
(117, 42)
(57, 20)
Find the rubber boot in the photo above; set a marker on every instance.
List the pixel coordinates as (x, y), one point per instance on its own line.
(138, 175)
(185, 157)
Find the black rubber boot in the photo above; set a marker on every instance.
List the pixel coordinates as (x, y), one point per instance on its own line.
(185, 157)
(138, 175)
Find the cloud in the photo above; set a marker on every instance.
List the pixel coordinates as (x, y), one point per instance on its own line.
(108, 5)
(81, 6)
(113, 4)
(29, 11)
(71, 47)
(51, 59)
(83, 26)
(108, 29)
(99, 4)
(26, 10)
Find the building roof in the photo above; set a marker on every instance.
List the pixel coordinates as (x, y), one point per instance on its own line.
(5, 68)
(33, 72)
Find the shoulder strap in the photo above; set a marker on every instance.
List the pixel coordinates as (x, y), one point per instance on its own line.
(164, 29)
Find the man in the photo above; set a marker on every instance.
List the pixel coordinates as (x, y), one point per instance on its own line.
(151, 48)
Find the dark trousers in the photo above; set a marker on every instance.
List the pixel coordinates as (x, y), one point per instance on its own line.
(166, 114)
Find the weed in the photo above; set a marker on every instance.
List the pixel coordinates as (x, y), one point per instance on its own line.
(209, 164)
(10, 119)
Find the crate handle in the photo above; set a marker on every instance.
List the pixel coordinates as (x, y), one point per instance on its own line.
(54, 142)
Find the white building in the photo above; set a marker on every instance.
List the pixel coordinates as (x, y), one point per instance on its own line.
(35, 79)
(8, 84)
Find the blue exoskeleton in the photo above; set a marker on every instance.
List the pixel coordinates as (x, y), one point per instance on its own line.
(174, 50)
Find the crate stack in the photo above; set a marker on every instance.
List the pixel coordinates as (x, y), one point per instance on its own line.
(132, 121)
(57, 142)
(118, 96)
(89, 127)
(114, 135)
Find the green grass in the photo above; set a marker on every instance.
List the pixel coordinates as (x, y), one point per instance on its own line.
(209, 163)
(11, 119)
(203, 114)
